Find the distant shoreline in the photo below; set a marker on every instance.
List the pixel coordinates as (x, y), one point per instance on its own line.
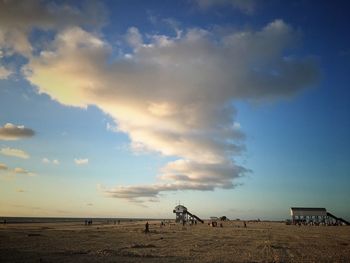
(110, 220)
(21, 220)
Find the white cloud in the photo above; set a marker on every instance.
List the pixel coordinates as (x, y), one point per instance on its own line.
(54, 161)
(175, 95)
(4, 72)
(80, 161)
(14, 152)
(12, 132)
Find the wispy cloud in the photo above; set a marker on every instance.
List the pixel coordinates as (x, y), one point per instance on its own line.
(80, 161)
(14, 153)
(13, 132)
(10, 173)
(19, 170)
(54, 161)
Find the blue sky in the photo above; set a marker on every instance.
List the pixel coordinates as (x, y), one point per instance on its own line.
(125, 108)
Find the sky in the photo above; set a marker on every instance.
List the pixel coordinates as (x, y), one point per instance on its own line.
(128, 108)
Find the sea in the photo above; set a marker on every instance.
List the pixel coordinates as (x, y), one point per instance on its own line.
(21, 220)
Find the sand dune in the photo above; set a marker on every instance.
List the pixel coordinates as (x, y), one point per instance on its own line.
(259, 242)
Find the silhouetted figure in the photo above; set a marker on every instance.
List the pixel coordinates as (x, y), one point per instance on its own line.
(147, 228)
(245, 224)
(118, 222)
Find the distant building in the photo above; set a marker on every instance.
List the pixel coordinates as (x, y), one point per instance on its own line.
(314, 215)
(308, 214)
(181, 213)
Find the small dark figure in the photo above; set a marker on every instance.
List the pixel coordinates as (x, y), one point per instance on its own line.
(118, 222)
(147, 228)
(245, 224)
(221, 225)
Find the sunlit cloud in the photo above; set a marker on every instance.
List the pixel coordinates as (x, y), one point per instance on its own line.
(9, 173)
(14, 152)
(13, 132)
(175, 95)
(81, 161)
(3, 166)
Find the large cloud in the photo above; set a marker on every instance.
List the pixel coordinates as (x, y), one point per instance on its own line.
(175, 95)
(11, 132)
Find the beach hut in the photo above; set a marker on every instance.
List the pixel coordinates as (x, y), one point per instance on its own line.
(308, 215)
(181, 213)
(313, 215)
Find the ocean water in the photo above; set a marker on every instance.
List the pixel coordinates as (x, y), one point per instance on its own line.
(19, 220)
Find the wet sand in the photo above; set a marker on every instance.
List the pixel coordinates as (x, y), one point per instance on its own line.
(259, 242)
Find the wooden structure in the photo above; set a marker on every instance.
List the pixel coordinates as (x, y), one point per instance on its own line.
(183, 215)
(313, 215)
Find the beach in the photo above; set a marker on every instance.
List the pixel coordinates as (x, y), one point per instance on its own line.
(127, 242)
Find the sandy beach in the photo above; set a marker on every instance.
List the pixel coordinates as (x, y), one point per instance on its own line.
(126, 242)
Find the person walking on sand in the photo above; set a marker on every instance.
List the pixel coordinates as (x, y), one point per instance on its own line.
(147, 228)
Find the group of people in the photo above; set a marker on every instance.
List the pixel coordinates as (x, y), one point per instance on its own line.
(88, 222)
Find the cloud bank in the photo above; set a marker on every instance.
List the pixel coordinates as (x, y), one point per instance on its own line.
(175, 95)
(12, 132)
